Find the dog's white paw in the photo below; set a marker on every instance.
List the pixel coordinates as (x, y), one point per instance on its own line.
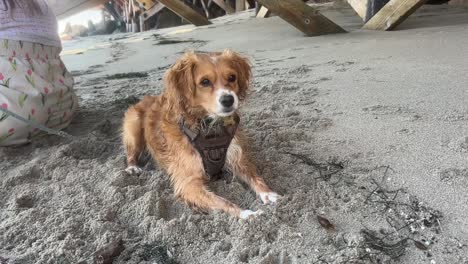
(134, 170)
(269, 197)
(244, 214)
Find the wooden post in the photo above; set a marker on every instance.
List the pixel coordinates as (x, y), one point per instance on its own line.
(303, 17)
(135, 25)
(225, 6)
(153, 10)
(147, 4)
(129, 17)
(142, 23)
(263, 12)
(185, 12)
(240, 5)
(207, 13)
(392, 14)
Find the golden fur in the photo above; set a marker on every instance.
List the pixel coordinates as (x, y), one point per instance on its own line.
(154, 123)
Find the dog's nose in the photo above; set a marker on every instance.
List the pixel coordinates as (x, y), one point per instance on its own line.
(227, 100)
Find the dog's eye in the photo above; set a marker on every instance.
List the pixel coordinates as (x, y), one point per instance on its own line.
(205, 82)
(232, 78)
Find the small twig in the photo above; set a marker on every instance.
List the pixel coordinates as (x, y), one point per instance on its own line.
(370, 194)
(385, 174)
(396, 193)
(394, 250)
(396, 231)
(390, 223)
(318, 166)
(392, 202)
(380, 188)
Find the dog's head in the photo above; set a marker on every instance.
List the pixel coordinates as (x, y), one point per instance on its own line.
(208, 83)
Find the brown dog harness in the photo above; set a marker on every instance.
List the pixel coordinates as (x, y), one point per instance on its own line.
(212, 142)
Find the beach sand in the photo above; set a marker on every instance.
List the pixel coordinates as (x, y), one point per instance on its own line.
(365, 134)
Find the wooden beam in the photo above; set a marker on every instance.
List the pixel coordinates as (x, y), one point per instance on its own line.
(153, 10)
(240, 5)
(223, 5)
(65, 8)
(185, 12)
(393, 14)
(360, 6)
(263, 12)
(147, 4)
(303, 17)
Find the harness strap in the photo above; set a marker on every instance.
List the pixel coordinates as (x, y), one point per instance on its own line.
(34, 124)
(212, 147)
(192, 135)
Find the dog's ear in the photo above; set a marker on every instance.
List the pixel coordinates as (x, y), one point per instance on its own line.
(179, 81)
(243, 69)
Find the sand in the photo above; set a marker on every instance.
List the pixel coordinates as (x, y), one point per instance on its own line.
(367, 130)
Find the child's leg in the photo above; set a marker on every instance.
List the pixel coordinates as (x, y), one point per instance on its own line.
(34, 84)
(12, 131)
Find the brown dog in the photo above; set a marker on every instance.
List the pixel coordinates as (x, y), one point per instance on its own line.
(197, 86)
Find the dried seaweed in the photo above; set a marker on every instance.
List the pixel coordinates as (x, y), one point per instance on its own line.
(326, 170)
(157, 254)
(390, 248)
(127, 75)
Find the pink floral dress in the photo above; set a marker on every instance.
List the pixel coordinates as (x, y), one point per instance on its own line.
(34, 84)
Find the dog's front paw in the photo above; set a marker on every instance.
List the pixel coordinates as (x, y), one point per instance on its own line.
(269, 197)
(134, 170)
(244, 214)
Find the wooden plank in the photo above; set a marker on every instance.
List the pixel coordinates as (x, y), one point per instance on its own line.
(185, 12)
(223, 5)
(153, 10)
(240, 5)
(393, 14)
(65, 8)
(263, 12)
(147, 4)
(303, 17)
(360, 6)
